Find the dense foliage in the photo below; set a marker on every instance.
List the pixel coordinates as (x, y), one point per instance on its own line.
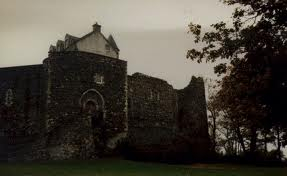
(253, 50)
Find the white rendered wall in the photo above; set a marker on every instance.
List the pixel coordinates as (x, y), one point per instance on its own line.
(96, 43)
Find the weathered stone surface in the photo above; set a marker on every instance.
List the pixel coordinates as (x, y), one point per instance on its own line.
(165, 123)
(152, 110)
(21, 111)
(80, 105)
(71, 85)
(192, 118)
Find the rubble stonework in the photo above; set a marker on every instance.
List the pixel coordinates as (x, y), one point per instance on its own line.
(192, 118)
(73, 87)
(21, 119)
(165, 123)
(152, 114)
(80, 105)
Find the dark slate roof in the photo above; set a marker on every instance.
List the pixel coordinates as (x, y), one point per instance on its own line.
(73, 38)
(52, 48)
(60, 42)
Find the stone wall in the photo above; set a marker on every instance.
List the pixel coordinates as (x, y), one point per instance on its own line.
(21, 111)
(86, 104)
(167, 124)
(152, 114)
(192, 119)
(79, 105)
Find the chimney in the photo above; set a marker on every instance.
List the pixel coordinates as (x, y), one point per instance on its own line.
(97, 27)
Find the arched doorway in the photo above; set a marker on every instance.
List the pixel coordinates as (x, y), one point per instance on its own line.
(94, 111)
(93, 108)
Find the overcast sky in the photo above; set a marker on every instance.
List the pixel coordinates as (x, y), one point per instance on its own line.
(151, 34)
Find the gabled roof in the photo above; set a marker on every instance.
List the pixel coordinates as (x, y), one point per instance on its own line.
(73, 41)
(112, 42)
(60, 42)
(52, 48)
(68, 36)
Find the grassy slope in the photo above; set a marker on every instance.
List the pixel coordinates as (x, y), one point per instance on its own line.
(128, 168)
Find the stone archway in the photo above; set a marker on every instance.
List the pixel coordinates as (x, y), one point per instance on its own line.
(93, 102)
(92, 96)
(93, 107)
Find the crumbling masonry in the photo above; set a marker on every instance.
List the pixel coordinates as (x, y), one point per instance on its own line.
(81, 104)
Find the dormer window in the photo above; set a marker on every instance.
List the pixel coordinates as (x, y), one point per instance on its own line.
(99, 79)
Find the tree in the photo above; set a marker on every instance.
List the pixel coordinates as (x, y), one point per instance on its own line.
(214, 112)
(252, 49)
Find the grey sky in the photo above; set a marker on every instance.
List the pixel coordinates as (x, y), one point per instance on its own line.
(152, 34)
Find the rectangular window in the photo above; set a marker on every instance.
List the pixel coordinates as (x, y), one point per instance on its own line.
(151, 95)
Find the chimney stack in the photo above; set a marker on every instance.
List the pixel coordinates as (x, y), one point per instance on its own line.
(97, 27)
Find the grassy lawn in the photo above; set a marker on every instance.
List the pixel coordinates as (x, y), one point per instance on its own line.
(110, 167)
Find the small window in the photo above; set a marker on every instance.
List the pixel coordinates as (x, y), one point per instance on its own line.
(9, 98)
(151, 95)
(154, 95)
(99, 79)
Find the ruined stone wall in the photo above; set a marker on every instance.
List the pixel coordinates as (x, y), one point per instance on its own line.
(21, 110)
(76, 79)
(167, 124)
(192, 118)
(152, 112)
(79, 105)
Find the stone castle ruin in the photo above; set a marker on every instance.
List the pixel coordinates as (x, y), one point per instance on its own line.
(81, 104)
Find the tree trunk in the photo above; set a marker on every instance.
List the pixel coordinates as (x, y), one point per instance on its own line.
(278, 143)
(253, 141)
(240, 138)
(214, 133)
(265, 143)
(235, 148)
(213, 130)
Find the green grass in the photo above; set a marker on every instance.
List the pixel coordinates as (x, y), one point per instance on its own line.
(109, 167)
